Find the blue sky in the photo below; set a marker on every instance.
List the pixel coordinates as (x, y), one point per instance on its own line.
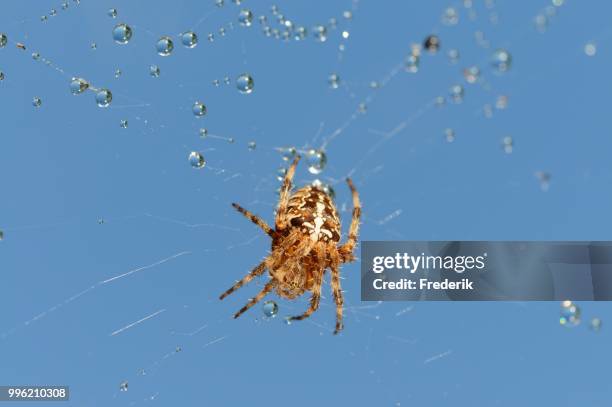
(84, 200)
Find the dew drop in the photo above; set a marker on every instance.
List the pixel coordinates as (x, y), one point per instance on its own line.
(432, 44)
(122, 33)
(508, 144)
(78, 86)
(112, 12)
(333, 80)
(203, 132)
(93, 46)
(471, 74)
(36, 102)
(411, 64)
(123, 386)
(245, 83)
(219, 3)
(300, 33)
(245, 18)
(320, 33)
(543, 178)
(65, 5)
(501, 60)
(456, 93)
(35, 56)
(570, 314)
(590, 49)
(164, 46)
(1, 76)
(449, 134)
(189, 39)
(43, 18)
(270, 309)
(123, 124)
(154, 71)
(3, 40)
(362, 108)
(317, 183)
(453, 56)
(104, 97)
(216, 83)
(595, 324)
(316, 161)
(222, 32)
(226, 80)
(288, 153)
(198, 109)
(450, 16)
(197, 160)
(210, 37)
(252, 145)
(117, 73)
(502, 102)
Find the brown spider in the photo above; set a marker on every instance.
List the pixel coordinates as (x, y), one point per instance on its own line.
(304, 244)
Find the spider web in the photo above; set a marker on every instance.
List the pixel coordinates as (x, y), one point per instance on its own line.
(118, 273)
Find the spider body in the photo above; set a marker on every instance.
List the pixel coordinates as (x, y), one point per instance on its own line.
(305, 243)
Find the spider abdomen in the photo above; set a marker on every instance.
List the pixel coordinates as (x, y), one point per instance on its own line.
(312, 211)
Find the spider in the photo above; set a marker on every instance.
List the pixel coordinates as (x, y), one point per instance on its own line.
(305, 243)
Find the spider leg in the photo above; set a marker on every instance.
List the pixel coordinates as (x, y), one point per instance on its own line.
(346, 250)
(257, 271)
(314, 300)
(284, 194)
(255, 219)
(335, 282)
(267, 288)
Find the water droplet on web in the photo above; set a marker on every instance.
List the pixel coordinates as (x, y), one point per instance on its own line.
(541, 22)
(543, 178)
(216, 82)
(93, 46)
(210, 37)
(78, 86)
(245, 83)
(558, 3)
(36, 102)
(122, 33)
(164, 46)
(374, 85)
(112, 12)
(471, 74)
(449, 134)
(35, 56)
(508, 144)
(1, 235)
(123, 124)
(219, 3)
(198, 109)
(270, 309)
(502, 102)
(178, 349)
(280, 173)
(570, 314)
(123, 386)
(287, 320)
(432, 44)
(456, 93)
(288, 153)
(197, 160)
(411, 64)
(453, 56)
(362, 108)
(222, 32)
(189, 39)
(440, 101)
(154, 71)
(43, 18)
(345, 34)
(595, 324)
(226, 80)
(3, 40)
(53, 12)
(450, 16)
(316, 161)
(117, 73)
(501, 60)
(1, 76)
(252, 145)
(590, 49)
(104, 97)
(317, 183)
(334, 81)
(203, 132)
(300, 33)
(320, 33)
(65, 5)
(245, 18)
